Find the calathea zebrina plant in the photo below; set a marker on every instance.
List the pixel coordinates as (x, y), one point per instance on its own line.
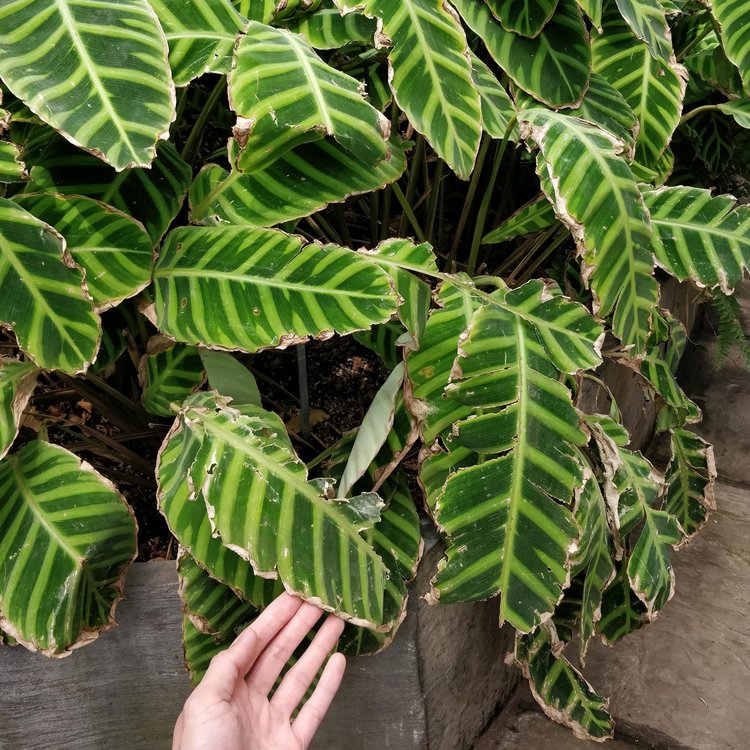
(479, 190)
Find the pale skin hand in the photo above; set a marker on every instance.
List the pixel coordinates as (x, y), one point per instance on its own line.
(231, 710)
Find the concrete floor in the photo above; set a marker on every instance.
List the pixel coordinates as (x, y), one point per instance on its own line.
(682, 682)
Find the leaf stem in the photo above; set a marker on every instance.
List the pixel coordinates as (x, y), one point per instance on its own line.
(698, 110)
(408, 211)
(193, 143)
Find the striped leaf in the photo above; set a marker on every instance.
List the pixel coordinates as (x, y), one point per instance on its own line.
(497, 107)
(699, 237)
(593, 10)
(66, 540)
(285, 95)
(258, 499)
(622, 610)
(168, 374)
(327, 28)
(536, 215)
(383, 340)
(12, 168)
(114, 250)
(648, 22)
(690, 479)
(17, 383)
(654, 89)
(596, 196)
(401, 260)
(731, 17)
(297, 184)
(560, 690)
(152, 196)
(739, 110)
(712, 138)
(656, 370)
(594, 557)
(518, 539)
(431, 76)
(257, 10)
(526, 18)
(248, 289)
(561, 52)
(199, 648)
(201, 36)
(41, 296)
(230, 378)
(84, 69)
(709, 63)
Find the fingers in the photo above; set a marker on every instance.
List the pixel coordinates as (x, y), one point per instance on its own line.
(315, 709)
(270, 663)
(234, 663)
(299, 678)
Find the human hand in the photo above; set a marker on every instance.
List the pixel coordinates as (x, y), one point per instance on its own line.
(231, 710)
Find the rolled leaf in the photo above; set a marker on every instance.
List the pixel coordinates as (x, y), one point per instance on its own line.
(17, 383)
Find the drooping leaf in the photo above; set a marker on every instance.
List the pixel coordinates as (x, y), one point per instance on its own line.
(561, 53)
(17, 383)
(230, 377)
(285, 95)
(593, 9)
(596, 196)
(536, 215)
(739, 110)
(152, 196)
(431, 76)
(66, 540)
(168, 374)
(80, 66)
(648, 22)
(114, 250)
(242, 288)
(524, 17)
(327, 28)
(497, 107)
(731, 17)
(41, 296)
(297, 184)
(560, 690)
(520, 531)
(261, 505)
(699, 237)
(656, 370)
(653, 88)
(622, 610)
(12, 167)
(201, 35)
(690, 479)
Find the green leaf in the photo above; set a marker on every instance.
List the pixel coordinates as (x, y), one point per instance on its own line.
(654, 89)
(373, 431)
(402, 259)
(257, 10)
(297, 184)
(152, 196)
(648, 22)
(560, 690)
(709, 62)
(261, 505)
(561, 53)
(326, 28)
(114, 250)
(201, 35)
(739, 109)
(507, 528)
(657, 371)
(12, 168)
(17, 383)
(285, 95)
(383, 340)
(85, 70)
(246, 289)
(168, 374)
(230, 377)
(712, 138)
(731, 16)
(41, 296)
(66, 540)
(536, 215)
(622, 610)
(596, 196)
(699, 237)
(497, 107)
(527, 17)
(431, 76)
(690, 479)
(593, 9)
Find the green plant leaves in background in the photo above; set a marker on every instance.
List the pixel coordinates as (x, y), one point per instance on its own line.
(41, 294)
(731, 17)
(114, 250)
(240, 288)
(66, 540)
(648, 22)
(17, 383)
(326, 28)
(72, 46)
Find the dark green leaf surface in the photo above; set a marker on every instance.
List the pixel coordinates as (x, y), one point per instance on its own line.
(17, 383)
